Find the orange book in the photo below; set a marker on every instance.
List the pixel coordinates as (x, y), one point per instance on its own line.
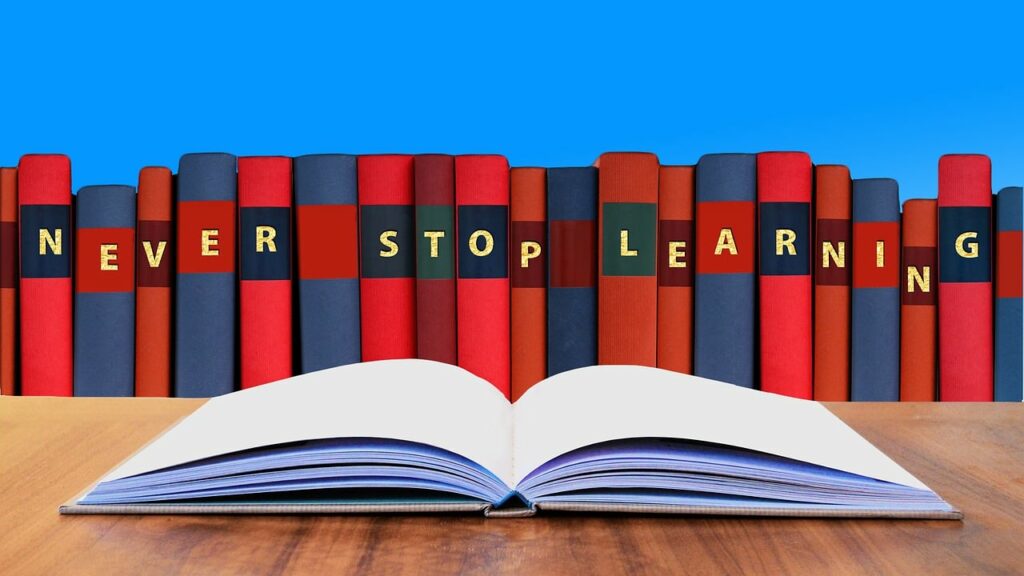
(918, 323)
(528, 271)
(154, 262)
(8, 278)
(832, 283)
(675, 269)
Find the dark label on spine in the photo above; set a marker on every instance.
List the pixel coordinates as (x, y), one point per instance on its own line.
(155, 254)
(483, 241)
(528, 256)
(386, 243)
(46, 241)
(675, 248)
(832, 254)
(965, 244)
(784, 239)
(266, 243)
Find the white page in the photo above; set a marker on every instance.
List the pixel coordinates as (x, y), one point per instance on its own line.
(415, 400)
(597, 404)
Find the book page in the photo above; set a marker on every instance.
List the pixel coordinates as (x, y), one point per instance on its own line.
(602, 403)
(414, 400)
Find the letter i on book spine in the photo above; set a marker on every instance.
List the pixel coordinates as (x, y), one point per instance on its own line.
(965, 278)
(918, 297)
(1009, 349)
(105, 291)
(784, 201)
(528, 271)
(327, 234)
(8, 279)
(265, 292)
(154, 260)
(44, 199)
(675, 268)
(832, 283)
(875, 316)
(627, 291)
(481, 222)
(435, 257)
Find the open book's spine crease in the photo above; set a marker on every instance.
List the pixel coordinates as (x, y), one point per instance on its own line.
(528, 278)
(831, 262)
(675, 268)
(918, 288)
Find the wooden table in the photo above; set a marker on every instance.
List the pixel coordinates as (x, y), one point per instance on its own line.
(50, 449)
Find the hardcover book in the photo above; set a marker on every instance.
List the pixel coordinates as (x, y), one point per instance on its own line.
(154, 259)
(675, 268)
(435, 257)
(831, 260)
(918, 288)
(8, 279)
(1009, 348)
(528, 271)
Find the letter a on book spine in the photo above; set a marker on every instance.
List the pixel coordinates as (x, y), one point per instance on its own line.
(8, 278)
(725, 293)
(204, 349)
(1009, 317)
(784, 205)
(918, 287)
(154, 260)
(44, 198)
(831, 262)
(627, 291)
(105, 291)
(875, 317)
(265, 293)
(435, 257)
(328, 252)
(528, 270)
(965, 278)
(481, 221)
(675, 268)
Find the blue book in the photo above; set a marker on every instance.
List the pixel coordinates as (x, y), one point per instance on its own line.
(1009, 320)
(328, 252)
(104, 348)
(572, 268)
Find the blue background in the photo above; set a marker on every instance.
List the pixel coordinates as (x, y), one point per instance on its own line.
(883, 88)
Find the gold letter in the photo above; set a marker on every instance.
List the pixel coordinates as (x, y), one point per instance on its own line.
(265, 237)
(972, 247)
(210, 242)
(624, 249)
(726, 242)
(154, 261)
(784, 238)
(488, 242)
(838, 255)
(433, 235)
(676, 253)
(879, 253)
(108, 256)
(923, 279)
(53, 241)
(392, 247)
(528, 251)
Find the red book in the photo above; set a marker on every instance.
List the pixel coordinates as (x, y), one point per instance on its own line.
(387, 283)
(675, 268)
(528, 259)
(265, 248)
(154, 263)
(435, 257)
(8, 278)
(917, 302)
(965, 278)
(44, 199)
(482, 287)
(832, 283)
(627, 290)
(784, 219)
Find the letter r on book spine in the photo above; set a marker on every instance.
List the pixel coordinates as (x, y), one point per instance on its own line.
(831, 263)
(44, 199)
(1009, 348)
(435, 257)
(8, 279)
(675, 268)
(327, 233)
(105, 291)
(918, 287)
(154, 260)
(528, 271)
(205, 320)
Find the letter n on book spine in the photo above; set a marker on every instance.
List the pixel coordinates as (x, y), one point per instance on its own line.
(435, 257)
(831, 262)
(8, 279)
(205, 326)
(105, 291)
(44, 199)
(918, 287)
(965, 278)
(481, 221)
(154, 259)
(875, 322)
(675, 268)
(327, 233)
(784, 205)
(528, 271)
(1009, 349)
(627, 291)
(265, 292)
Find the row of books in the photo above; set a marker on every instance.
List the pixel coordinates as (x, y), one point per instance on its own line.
(761, 270)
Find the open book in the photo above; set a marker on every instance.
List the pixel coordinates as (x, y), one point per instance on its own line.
(420, 436)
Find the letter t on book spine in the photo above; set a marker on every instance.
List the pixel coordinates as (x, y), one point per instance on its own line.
(527, 261)
(675, 268)
(265, 293)
(832, 283)
(154, 259)
(918, 287)
(8, 279)
(1009, 349)
(435, 257)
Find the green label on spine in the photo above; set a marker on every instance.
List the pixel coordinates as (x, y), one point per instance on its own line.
(628, 239)
(435, 239)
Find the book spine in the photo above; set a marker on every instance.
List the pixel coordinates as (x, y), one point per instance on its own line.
(153, 287)
(265, 265)
(327, 233)
(875, 314)
(105, 291)
(482, 287)
(205, 314)
(832, 283)
(387, 284)
(784, 221)
(1009, 320)
(44, 201)
(627, 289)
(528, 270)
(724, 289)
(8, 280)
(965, 278)
(435, 257)
(918, 287)
(675, 268)
(572, 268)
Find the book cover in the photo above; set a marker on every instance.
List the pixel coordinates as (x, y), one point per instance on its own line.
(265, 266)
(44, 202)
(725, 292)
(154, 261)
(675, 268)
(875, 298)
(435, 257)
(627, 289)
(918, 294)
(572, 268)
(831, 259)
(528, 271)
(327, 234)
(8, 280)
(205, 314)
(784, 219)
(1009, 320)
(965, 278)
(482, 287)
(105, 291)
(387, 283)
